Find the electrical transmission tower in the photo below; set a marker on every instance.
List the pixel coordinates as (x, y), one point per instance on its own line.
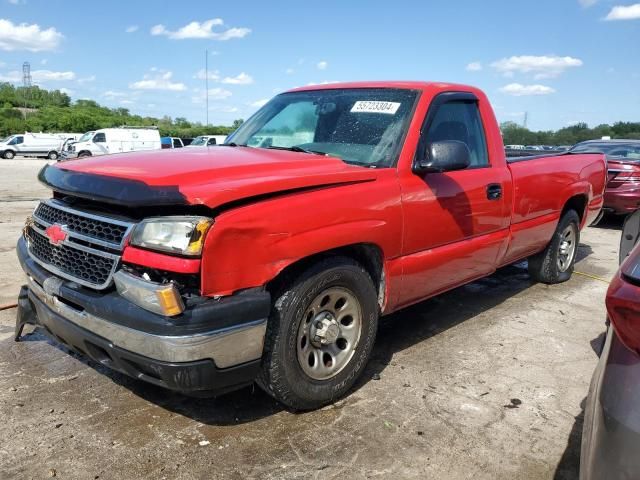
(26, 81)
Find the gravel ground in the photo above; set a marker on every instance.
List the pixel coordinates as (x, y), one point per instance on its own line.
(485, 382)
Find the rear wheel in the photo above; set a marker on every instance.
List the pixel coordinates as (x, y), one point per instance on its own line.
(9, 154)
(555, 263)
(321, 332)
(84, 154)
(53, 155)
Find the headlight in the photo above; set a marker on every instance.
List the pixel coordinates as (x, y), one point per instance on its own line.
(181, 235)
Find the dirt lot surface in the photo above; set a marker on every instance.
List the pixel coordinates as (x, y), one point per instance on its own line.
(485, 382)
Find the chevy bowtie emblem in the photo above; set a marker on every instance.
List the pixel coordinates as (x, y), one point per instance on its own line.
(55, 234)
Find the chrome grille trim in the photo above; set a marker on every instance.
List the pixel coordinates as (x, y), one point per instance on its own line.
(79, 242)
(103, 219)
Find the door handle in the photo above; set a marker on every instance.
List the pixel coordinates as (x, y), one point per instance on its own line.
(494, 191)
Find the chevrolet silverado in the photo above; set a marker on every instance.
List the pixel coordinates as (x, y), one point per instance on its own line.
(272, 257)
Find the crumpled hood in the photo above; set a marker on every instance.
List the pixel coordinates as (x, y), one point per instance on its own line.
(197, 176)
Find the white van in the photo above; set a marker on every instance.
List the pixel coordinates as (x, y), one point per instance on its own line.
(115, 140)
(32, 145)
(207, 140)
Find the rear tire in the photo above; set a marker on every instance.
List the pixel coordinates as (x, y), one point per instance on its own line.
(53, 155)
(555, 263)
(84, 154)
(9, 154)
(334, 337)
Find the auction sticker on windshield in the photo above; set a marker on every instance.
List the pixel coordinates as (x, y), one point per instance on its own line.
(370, 106)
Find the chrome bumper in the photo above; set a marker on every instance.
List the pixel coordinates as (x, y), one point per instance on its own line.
(226, 347)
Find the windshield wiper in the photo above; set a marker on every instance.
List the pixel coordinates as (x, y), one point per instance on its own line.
(297, 148)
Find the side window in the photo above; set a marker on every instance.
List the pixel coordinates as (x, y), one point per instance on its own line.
(177, 143)
(99, 138)
(460, 120)
(212, 141)
(16, 141)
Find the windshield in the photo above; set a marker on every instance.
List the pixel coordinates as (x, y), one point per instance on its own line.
(86, 137)
(630, 151)
(362, 126)
(199, 141)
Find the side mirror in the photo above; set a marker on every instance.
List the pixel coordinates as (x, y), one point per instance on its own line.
(444, 156)
(630, 234)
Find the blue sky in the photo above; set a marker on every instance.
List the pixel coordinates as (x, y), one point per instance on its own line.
(562, 61)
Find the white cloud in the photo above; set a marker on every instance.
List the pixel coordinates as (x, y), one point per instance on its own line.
(159, 81)
(126, 102)
(519, 90)
(202, 30)
(214, 94)
(44, 61)
(240, 79)
(132, 28)
(27, 37)
(114, 94)
(289, 71)
(202, 74)
(322, 65)
(624, 12)
(38, 76)
(474, 67)
(587, 3)
(17, 2)
(542, 66)
(66, 90)
(90, 78)
(259, 103)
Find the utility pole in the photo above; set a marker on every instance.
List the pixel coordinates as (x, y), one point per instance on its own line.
(206, 80)
(526, 118)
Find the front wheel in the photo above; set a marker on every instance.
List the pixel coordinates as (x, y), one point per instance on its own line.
(8, 154)
(53, 155)
(555, 263)
(320, 335)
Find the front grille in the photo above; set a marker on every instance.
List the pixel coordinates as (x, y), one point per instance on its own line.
(90, 226)
(87, 267)
(90, 248)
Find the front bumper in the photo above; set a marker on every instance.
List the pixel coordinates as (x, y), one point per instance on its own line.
(212, 347)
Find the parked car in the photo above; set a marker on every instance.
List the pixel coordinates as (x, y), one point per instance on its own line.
(114, 140)
(206, 271)
(207, 140)
(32, 144)
(622, 195)
(611, 431)
(171, 142)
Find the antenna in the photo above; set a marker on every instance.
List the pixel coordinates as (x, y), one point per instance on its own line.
(206, 80)
(26, 81)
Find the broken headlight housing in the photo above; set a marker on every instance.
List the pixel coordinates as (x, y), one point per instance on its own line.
(177, 235)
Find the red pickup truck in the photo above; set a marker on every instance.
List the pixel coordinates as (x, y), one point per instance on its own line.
(270, 258)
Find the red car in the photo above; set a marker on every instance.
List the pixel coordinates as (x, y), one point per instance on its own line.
(622, 195)
(272, 256)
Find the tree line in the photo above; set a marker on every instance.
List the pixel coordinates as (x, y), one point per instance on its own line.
(514, 134)
(38, 110)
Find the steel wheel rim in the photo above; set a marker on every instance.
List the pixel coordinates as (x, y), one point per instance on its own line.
(567, 248)
(329, 333)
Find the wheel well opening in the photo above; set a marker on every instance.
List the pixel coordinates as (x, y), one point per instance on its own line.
(368, 255)
(577, 203)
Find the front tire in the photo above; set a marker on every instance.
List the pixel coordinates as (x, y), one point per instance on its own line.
(53, 155)
(320, 335)
(9, 154)
(556, 262)
(84, 155)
